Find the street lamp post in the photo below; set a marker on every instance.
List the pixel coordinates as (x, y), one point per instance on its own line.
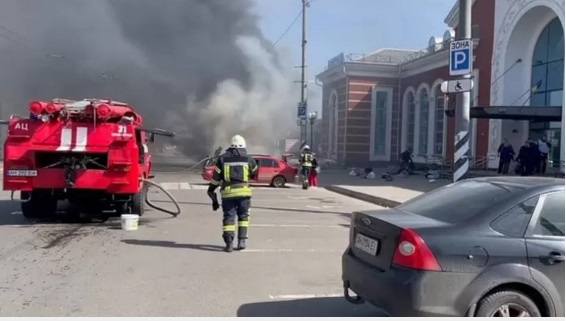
(312, 118)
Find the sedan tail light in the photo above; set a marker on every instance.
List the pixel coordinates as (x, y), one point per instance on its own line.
(413, 253)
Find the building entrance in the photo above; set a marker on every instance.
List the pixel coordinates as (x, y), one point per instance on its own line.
(553, 133)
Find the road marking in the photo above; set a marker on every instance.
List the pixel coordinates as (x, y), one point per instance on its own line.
(304, 296)
(185, 185)
(174, 186)
(296, 225)
(324, 207)
(290, 251)
(298, 197)
(170, 186)
(198, 186)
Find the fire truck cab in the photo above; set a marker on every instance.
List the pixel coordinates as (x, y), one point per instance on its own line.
(92, 153)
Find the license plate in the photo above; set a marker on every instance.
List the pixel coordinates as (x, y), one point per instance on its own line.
(366, 244)
(21, 172)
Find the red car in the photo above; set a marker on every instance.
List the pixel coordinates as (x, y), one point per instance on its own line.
(271, 170)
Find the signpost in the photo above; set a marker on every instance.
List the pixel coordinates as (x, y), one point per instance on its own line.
(461, 59)
(457, 86)
(461, 64)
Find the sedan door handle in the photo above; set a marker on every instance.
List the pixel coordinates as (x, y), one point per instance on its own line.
(553, 257)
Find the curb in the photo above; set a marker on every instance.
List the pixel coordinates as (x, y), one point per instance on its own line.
(364, 197)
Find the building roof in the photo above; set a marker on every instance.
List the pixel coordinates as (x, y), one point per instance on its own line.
(387, 56)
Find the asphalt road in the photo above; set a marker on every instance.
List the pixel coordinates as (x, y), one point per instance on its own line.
(175, 266)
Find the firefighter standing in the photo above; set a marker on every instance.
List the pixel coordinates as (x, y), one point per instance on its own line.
(232, 173)
(307, 161)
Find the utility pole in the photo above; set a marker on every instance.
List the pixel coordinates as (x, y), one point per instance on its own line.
(462, 115)
(303, 120)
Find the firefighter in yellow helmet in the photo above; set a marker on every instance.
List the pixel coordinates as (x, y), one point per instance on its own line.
(307, 160)
(232, 173)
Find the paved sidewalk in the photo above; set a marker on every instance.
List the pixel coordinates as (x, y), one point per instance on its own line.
(378, 191)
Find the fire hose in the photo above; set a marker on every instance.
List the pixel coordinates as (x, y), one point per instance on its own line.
(173, 200)
(161, 209)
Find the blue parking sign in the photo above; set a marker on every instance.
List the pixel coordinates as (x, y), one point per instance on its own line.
(302, 110)
(461, 57)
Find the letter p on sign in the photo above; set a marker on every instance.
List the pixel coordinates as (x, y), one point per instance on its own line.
(461, 57)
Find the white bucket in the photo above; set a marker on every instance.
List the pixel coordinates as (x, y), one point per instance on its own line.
(129, 222)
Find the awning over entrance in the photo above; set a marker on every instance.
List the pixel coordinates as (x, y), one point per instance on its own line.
(533, 113)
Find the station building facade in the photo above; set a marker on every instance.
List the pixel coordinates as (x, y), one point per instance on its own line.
(377, 105)
(529, 53)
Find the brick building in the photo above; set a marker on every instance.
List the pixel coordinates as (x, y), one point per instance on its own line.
(377, 105)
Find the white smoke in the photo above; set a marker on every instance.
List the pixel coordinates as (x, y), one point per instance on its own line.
(262, 113)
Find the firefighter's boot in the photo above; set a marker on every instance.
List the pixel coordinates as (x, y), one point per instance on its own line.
(229, 241)
(241, 244)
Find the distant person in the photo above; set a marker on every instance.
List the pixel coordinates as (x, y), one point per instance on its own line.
(535, 157)
(407, 161)
(313, 175)
(544, 148)
(524, 160)
(306, 159)
(218, 151)
(506, 155)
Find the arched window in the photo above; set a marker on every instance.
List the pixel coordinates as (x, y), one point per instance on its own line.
(548, 66)
(423, 122)
(548, 76)
(439, 122)
(333, 127)
(410, 121)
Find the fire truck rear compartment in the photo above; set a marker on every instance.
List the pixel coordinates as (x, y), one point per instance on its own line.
(61, 159)
(42, 203)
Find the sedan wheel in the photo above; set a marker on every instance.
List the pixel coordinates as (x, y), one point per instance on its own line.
(507, 304)
(511, 310)
(279, 182)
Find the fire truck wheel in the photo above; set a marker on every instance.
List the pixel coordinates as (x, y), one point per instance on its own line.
(41, 204)
(138, 202)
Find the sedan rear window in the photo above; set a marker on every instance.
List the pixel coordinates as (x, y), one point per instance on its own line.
(458, 202)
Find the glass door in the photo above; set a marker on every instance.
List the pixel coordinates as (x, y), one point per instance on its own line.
(554, 136)
(554, 132)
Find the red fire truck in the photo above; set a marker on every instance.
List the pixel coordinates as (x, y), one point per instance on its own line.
(92, 153)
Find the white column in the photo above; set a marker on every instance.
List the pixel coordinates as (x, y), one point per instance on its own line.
(417, 136)
(431, 123)
(495, 127)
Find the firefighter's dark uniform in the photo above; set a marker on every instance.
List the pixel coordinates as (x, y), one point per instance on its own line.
(306, 159)
(232, 173)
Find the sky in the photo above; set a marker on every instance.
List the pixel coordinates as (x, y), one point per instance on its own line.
(351, 27)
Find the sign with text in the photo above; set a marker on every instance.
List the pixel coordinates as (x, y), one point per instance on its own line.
(336, 61)
(461, 58)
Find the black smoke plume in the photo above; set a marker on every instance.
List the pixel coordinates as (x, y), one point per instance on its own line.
(199, 67)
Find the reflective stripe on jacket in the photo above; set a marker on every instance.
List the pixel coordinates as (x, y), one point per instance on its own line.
(306, 159)
(232, 172)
